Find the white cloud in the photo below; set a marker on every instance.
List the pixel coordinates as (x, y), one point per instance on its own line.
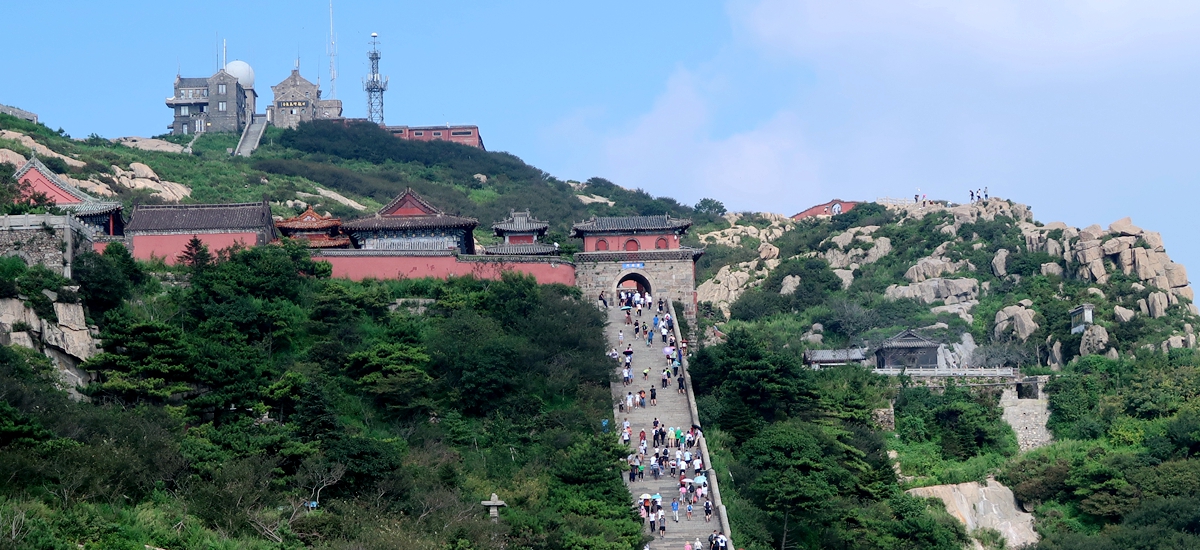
(670, 150)
(1025, 34)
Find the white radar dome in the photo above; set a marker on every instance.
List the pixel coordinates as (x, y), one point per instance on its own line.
(242, 71)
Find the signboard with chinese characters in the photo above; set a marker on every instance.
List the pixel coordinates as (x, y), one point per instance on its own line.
(633, 265)
(294, 103)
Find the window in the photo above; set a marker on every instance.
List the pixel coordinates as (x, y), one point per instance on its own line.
(661, 243)
(418, 133)
(461, 133)
(204, 92)
(601, 244)
(221, 106)
(183, 110)
(632, 244)
(221, 90)
(437, 133)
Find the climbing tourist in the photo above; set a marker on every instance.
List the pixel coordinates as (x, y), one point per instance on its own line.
(664, 333)
(642, 403)
(689, 511)
(675, 509)
(628, 319)
(620, 336)
(666, 378)
(629, 401)
(653, 396)
(637, 330)
(662, 524)
(708, 510)
(603, 302)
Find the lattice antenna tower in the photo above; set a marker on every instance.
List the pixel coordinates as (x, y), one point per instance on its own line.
(374, 84)
(332, 56)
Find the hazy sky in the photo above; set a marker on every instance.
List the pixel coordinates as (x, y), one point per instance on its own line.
(1085, 110)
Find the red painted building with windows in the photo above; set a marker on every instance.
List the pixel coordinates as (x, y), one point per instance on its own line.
(630, 234)
(829, 209)
(465, 135)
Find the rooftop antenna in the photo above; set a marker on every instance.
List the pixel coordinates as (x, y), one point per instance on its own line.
(374, 84)
(224, 53)
(332, 56)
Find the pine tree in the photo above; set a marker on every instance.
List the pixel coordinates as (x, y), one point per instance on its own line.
(196, 255)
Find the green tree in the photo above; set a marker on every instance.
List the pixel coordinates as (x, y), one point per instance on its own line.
(144, 361)
(101, 281)
(710, 206)
(196, 255)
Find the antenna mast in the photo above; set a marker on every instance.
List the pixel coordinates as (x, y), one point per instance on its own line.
(332, 56)
(374, 84)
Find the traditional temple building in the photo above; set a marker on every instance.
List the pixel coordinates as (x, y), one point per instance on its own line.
(907, 353)
(827, 210)
(409, 223)
(163, 230)
(315, 230)
(102, 216)
(521, 233)
(641, 252)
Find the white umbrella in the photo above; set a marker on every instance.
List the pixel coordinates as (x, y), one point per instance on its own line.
(644, 496)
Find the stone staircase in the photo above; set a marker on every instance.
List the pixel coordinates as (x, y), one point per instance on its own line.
(251, 136)
(674, 410)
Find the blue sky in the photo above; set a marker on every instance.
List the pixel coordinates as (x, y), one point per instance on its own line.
(1085, 110)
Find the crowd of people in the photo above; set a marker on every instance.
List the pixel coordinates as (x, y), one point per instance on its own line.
(659, 450)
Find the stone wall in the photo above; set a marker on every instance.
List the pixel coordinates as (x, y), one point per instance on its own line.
(19, 113)
(674, 279)
(52, 241)
(1027, 417)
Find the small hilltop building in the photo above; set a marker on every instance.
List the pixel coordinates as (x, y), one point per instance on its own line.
(315, 230)
(410, 223)
(223, 102)
(298, 100)
(521, 233)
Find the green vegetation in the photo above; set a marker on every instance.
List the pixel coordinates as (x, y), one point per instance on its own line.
(225, 405)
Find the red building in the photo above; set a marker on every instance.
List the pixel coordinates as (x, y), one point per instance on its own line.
(465, 135)
(103, 216)
(315, 230)
(521, 233)
(831, 208)
(631, 233)
(410, 223)
(163, 230)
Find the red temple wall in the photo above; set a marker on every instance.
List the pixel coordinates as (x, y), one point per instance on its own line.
(618, 242)
(146, 247)
(520, 239)
(38, 183)
(358, 268)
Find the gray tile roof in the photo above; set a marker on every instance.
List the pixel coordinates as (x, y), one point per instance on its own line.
(536, 249)
(193, 82)
(629, 223)
(409, 222)
(520, 222)
(908, 339)
(833, 355)
(202, 217)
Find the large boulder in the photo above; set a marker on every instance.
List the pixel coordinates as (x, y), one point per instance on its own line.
(1052, 268)
(789, 285)
(1124, 226)
(1019, 318)
(1156, 304)
(1000, 262)
(1088, 251)
(1094, 341)
(951, 291)
(1123, 315)
(846, 275)
(767, 251)
(929, 268)
(1176, 274)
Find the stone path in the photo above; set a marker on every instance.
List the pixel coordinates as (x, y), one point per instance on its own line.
(672, 409)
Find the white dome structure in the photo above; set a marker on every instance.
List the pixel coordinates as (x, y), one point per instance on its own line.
(242, 71)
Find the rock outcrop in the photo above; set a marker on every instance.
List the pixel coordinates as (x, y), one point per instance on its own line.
(1019, 318)
(1156, 304)
(931, 267)
(1094, 341)
(990, 506)
(789, 285)
(951, 291)
(140, 176)
(733, 235)
(1123, 315)
(854, 257)
(1000, 263)
(68, 342)
(149, 144)
(39, 149)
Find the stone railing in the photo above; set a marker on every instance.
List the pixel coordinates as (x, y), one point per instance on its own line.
(714, 486)
(889, 201)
